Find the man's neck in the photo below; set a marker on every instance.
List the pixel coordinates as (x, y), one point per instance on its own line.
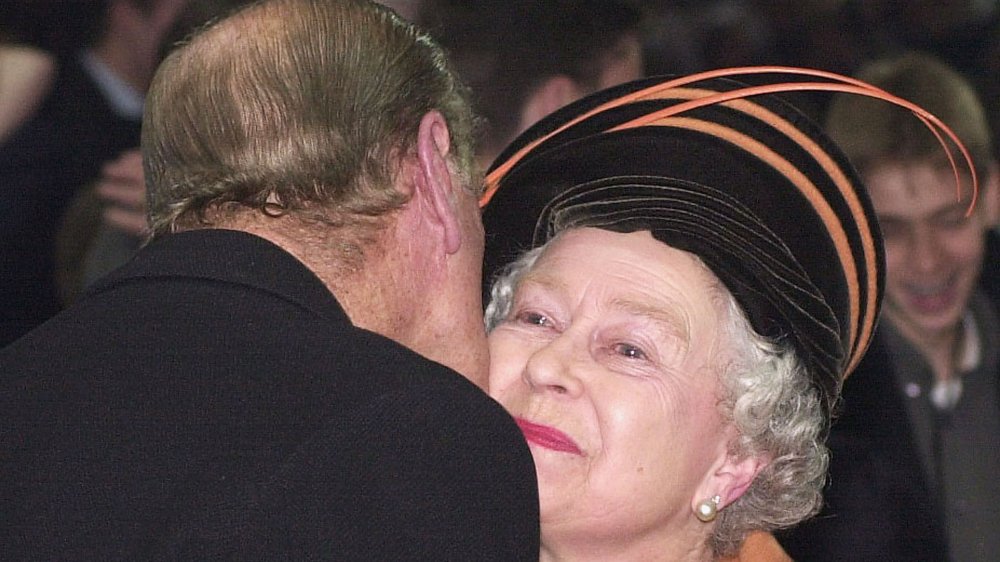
(940, 349)
(390, 296)
(428, 317)
(943, 357)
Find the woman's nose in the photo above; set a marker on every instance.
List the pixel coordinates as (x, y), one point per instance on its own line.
(553, 367)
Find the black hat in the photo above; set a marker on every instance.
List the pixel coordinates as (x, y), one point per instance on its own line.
(726, 171)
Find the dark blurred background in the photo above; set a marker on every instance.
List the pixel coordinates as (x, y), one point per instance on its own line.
(682, 36)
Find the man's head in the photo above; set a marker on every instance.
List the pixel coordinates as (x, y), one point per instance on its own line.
(337, 130)
(527, 58)
(933, 250)
(300, 107)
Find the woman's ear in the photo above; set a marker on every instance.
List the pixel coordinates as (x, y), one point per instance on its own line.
(728, 479)
(737, 476)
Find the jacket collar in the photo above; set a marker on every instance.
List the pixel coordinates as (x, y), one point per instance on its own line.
(229, 256)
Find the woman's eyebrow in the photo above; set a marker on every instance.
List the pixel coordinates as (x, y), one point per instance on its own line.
(665, 318)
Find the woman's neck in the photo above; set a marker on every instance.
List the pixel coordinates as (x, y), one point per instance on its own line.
(678, 547)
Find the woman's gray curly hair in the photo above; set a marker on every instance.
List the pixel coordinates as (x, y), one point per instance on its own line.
(769, 398)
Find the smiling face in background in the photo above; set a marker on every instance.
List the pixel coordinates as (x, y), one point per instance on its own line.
(609, 361)
(933, 251)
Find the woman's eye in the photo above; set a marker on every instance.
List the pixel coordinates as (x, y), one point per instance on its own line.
(630, 351)
(534, 318)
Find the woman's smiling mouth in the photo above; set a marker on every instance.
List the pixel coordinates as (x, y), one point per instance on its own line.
(548, 437)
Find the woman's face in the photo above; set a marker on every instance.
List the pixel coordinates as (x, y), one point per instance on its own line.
(608, 362)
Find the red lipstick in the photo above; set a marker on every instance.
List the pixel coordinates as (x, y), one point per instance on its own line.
(548, 437)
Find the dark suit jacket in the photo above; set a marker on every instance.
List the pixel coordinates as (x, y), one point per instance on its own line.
(42, 166)
(878, 505)
(211, 400)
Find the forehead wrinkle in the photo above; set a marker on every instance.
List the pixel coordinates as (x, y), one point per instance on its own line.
(542, 280)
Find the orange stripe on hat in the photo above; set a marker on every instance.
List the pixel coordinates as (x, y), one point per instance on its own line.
(841, 84)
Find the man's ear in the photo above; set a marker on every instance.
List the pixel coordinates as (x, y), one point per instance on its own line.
(729, 478)
(434, 185)
(554, 93)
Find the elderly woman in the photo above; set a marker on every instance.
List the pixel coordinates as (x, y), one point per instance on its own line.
(705, 270)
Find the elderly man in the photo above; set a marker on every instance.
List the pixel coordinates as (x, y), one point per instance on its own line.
(279, 372)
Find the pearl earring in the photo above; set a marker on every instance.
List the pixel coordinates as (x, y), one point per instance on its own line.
(707, 509)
